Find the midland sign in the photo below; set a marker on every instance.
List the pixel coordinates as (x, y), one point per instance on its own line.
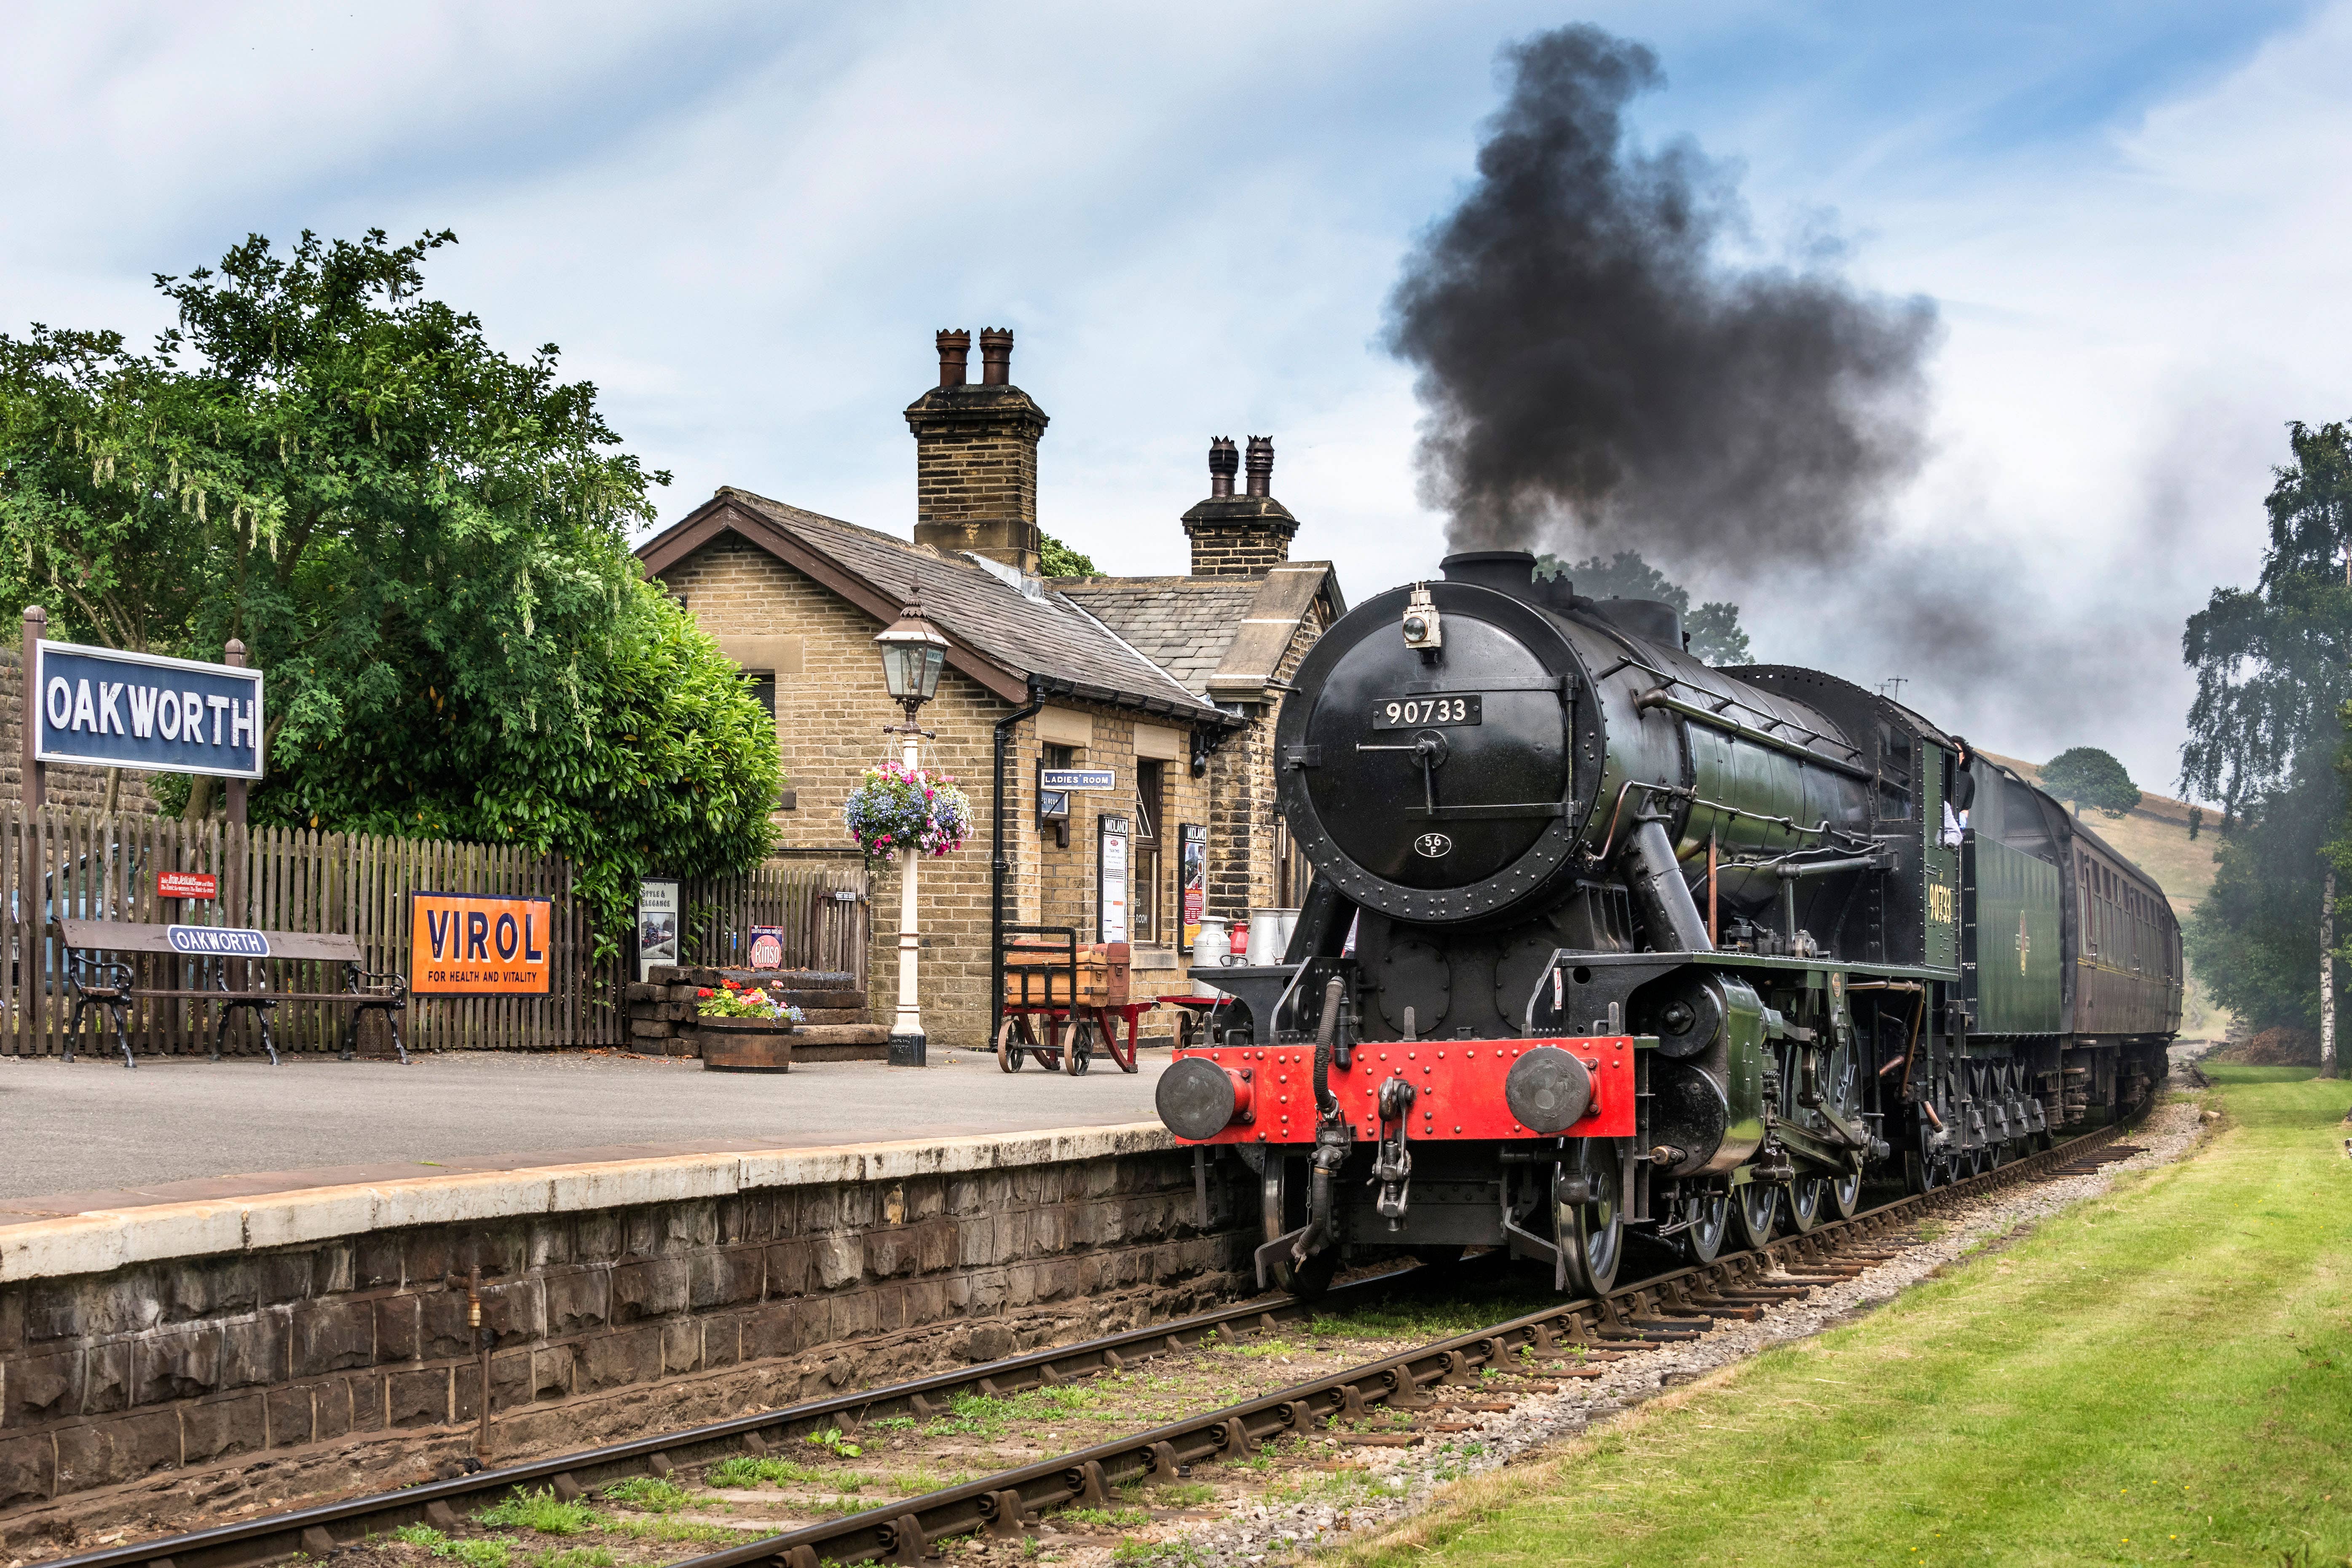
(104, 708)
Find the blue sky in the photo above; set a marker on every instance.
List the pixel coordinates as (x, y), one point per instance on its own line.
(744, 223)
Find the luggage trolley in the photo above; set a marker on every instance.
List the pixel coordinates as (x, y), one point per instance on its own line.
(1065, 1000)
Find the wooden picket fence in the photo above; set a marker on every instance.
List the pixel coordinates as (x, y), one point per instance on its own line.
(94, 867)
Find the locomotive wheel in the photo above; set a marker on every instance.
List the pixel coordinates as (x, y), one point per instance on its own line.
(1711, 1221)
(1920, 1173)
(1808, 1196)
(1754, 1207)
(1008, 1050)
(1591, 1234)
(1845, 1194)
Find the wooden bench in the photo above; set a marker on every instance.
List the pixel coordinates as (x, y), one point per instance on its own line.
(110, 984)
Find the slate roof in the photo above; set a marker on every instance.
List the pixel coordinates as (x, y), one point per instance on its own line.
(1049, 637)
(1183, 625)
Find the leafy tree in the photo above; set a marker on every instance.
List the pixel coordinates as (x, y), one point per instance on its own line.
(420, 538)
(2089, 776)
(1056, 559)
(2252, 942)
(2273, 667)
(1714, 628)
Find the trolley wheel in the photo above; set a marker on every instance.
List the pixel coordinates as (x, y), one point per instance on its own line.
(1078, 1045)
(1008, 1052)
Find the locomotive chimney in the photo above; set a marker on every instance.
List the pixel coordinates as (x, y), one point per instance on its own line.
(976, 455)
(1239, 535)
(1224, 462)
(955, 357)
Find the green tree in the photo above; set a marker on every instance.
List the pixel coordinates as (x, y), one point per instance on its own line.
(2089, 776)
(2274, 665)
(1714, 630)
(1056, 559)
(420, 538)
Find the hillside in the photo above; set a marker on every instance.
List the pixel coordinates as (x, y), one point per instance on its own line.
(2155, 835)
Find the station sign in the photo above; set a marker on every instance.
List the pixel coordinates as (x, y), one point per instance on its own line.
(217, 942)
(103, 708)
(470, 944)
(1077, 778)
(187, 885)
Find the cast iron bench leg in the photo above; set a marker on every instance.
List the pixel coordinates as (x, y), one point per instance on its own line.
(267, 1043)
(73, 1025)
(122, 1033)
(392, 1022)
(351, 1034)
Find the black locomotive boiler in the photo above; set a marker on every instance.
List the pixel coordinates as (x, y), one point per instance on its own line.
(1600, 938)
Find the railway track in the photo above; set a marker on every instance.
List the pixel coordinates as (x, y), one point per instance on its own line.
(1678, 1305)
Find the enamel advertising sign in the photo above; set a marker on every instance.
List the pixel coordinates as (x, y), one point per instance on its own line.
(467, 944)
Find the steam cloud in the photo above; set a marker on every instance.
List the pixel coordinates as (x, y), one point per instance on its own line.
(1584, 358)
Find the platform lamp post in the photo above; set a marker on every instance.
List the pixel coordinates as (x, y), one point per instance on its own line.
(912, 653)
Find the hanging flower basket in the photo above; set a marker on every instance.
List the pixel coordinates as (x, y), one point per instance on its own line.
(895, 807)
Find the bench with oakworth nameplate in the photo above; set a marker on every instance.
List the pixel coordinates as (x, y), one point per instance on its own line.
(110, 984)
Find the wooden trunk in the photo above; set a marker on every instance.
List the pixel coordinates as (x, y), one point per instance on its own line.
(1040, 974)
(745, 1044)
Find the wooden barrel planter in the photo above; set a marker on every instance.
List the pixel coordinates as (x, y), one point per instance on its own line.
(745, 1044)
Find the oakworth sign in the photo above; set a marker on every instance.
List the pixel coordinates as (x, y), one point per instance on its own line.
(104, 708)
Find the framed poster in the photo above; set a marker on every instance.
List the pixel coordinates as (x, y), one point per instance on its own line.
(767, 947)
(467, 944)
(1110, 878)
(1192, 876)
(658, 920)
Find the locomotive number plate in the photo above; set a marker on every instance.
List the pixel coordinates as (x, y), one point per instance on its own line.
(1421, 712)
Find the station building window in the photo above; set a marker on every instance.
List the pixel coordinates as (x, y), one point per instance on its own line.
(1144, 857)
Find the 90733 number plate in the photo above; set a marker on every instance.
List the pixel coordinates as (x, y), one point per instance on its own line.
(1425, 712)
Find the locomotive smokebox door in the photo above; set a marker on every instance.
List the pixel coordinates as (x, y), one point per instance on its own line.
(1441, 782)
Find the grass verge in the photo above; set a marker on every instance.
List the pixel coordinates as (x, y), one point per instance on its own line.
(2162, 1374)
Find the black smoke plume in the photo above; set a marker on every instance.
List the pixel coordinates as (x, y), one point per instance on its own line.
(1586, 358)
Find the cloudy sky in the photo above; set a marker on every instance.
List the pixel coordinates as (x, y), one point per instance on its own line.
(744, 223)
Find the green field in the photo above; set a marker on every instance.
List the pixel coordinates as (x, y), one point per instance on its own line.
(2164, 1375)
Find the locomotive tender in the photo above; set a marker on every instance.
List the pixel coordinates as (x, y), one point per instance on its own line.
(1599, 937)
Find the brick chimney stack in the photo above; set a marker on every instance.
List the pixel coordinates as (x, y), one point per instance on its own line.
(976, 455)
(1239, 535)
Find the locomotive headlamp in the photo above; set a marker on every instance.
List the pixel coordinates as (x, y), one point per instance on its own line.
(1422, 631)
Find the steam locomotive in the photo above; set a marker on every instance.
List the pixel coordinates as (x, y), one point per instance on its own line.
(1601, 939)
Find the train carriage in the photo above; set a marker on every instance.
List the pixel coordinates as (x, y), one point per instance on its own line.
(1600, 938)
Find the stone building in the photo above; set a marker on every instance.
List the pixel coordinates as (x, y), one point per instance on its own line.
(1171, 684)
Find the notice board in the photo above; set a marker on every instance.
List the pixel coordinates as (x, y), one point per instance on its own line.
(470, 944)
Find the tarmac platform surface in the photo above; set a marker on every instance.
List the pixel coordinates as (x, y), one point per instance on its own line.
(95, 1136)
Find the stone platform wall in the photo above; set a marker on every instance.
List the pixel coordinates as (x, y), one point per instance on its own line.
(302, 1344)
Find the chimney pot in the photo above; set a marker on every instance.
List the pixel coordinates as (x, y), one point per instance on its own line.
(995, 356)
(1224, 462)
(1261, 465)
(955, 357)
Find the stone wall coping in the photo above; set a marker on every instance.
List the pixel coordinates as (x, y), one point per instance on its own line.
(103, 1240)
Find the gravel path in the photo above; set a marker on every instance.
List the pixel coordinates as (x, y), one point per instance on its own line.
(1400, 1482)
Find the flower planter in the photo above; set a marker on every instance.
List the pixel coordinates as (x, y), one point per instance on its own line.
(745, 1044)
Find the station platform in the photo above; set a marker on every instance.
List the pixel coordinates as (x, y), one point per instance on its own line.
(95, 1137)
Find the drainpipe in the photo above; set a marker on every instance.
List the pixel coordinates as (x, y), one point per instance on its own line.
(1000, 866)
